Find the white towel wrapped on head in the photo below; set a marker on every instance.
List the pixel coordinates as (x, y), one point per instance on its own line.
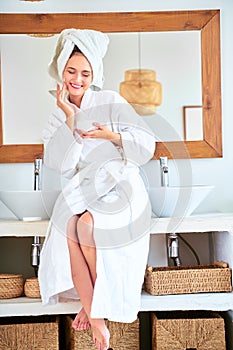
(93, 44)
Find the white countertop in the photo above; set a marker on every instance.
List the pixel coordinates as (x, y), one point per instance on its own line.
(17, 228)
(195, 223)
(203, 301)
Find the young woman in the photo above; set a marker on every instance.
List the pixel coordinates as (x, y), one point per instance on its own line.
(98, 239)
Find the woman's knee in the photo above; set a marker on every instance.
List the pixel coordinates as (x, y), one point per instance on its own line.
(85, 229)
(85, 222)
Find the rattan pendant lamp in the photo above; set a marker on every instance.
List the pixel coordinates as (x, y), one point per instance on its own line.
(141, 89)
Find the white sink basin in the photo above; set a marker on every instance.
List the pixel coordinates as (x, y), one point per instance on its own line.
(30, 205)
(177, 201)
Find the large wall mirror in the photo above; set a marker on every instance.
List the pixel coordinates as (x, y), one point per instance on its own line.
(193, 39)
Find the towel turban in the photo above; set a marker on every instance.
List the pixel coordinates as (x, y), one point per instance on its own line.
(92, 44)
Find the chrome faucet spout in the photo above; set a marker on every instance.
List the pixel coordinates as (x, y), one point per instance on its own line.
(164, 171)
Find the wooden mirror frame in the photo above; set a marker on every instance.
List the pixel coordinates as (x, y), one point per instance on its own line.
(207, 21)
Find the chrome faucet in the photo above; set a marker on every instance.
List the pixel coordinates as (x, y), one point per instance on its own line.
(173, 242)
(164, 171)
(35, 254)
(37, 173)
(173, 248)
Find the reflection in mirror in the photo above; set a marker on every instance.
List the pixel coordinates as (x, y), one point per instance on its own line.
(25, 83)
(174, 56)
(204, 82)
(193, 123)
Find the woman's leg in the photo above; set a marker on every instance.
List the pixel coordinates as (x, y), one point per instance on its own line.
(87, 243)
(83, 266)
(77, 262)
(87, 246)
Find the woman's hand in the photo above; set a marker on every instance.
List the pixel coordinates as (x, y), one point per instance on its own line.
(62, 103)
(101, 132)
(65, 105)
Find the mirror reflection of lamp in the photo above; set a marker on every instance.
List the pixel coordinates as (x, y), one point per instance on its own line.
(40, 35)
(141, 89)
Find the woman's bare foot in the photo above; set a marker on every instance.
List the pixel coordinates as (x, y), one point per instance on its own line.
(81, 321)
(100, 334)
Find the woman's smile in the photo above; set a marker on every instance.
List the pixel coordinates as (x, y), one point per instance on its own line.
(76, 86)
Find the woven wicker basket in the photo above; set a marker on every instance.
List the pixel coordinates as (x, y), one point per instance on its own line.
(187, 279)
(31, 288)
(199, 330)
(11, 285)
(124, 336)
(24, 333)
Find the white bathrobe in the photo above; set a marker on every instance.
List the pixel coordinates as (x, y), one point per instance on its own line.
(105, 180)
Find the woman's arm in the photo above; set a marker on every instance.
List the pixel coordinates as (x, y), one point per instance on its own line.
(103, 132)
(137, 139)
(126, 130)
(61, 148)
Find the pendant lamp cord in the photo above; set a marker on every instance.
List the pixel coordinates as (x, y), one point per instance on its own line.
(139, 51)
(139, 57)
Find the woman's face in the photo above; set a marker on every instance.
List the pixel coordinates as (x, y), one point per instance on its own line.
(77, 75)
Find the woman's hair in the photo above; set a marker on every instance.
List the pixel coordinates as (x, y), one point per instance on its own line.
(75, 50)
